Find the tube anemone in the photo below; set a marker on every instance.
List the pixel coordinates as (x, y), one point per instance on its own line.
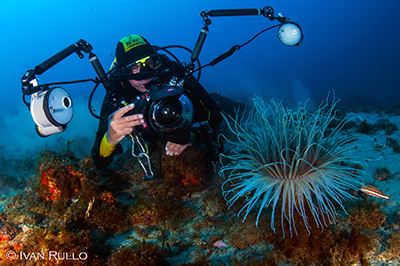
(291, 160)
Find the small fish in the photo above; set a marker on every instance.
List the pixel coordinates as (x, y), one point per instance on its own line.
(373, 191)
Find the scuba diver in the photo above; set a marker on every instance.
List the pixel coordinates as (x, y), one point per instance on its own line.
(149, 97)
(120, 117)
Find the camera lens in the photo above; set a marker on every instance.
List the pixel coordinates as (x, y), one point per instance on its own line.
(172, 114)
(168, 111)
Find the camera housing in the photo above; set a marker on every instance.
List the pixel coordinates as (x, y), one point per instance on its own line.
(166, 109)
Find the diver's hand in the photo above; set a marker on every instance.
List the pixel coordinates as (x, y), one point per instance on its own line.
(119, 126)
(175, 149)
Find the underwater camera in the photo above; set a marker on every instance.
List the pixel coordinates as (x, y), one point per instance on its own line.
(165, 107)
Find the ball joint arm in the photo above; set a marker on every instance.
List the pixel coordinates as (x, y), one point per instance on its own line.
(78, 48)
(30, 75)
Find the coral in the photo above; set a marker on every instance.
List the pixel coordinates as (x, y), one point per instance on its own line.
(285, 158)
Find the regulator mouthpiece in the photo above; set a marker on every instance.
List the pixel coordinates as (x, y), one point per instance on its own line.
(51, 110)
(290, 33)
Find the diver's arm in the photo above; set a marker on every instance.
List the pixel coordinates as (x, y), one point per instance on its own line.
(120, 125)
(117, 126)
(102, 152)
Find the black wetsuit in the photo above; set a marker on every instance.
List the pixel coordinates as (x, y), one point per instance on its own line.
(205, 109)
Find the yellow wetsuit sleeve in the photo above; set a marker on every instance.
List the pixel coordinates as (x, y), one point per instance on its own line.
(106, 149)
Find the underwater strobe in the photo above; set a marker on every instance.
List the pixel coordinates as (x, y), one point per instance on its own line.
(289, 33)
(51, 110)
(51, 107)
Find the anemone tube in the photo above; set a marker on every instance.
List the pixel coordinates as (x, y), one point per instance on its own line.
(288, 158)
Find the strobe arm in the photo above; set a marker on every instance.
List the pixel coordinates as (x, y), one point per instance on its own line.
(234, 12)
(78, 48)
(267, 12)
(289, 32)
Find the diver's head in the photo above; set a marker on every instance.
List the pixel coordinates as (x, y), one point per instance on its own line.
(132, 48)
(135, 68)
(134, 54)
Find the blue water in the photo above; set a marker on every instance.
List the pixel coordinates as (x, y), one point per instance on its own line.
(349, 46)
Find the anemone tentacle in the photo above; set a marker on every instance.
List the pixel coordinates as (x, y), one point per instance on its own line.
(289, 159)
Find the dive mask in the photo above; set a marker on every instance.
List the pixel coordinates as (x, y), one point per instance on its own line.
(144, 62)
